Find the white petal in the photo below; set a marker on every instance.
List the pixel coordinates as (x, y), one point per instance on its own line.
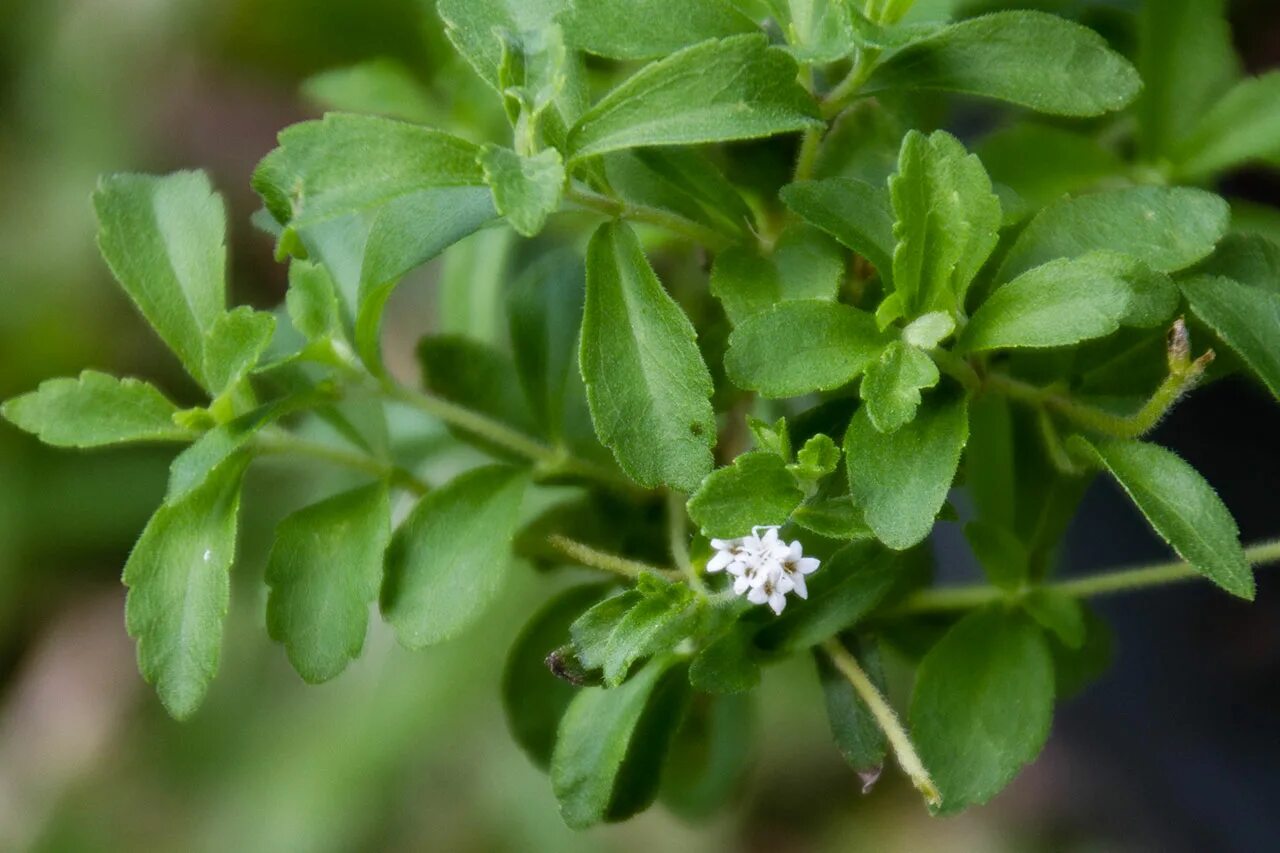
(784, 584)
(777, 601)
(808, 565)
(797, 581)
(760, 578)
(740, 586)
(757, 596)
(719, 561)
(795, 551)
(770, 538)
(725, 544)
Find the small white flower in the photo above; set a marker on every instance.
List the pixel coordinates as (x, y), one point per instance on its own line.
(764, 567)
(795, 565)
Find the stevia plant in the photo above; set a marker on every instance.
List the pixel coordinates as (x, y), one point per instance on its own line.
(861, 327)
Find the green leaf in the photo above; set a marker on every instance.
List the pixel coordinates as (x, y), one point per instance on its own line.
(324, 571)
(990, 461)
(681, 180)
(891, 388)
(1059, 303)
(901, 479)
(1245, 318)
(312, 301)
(846, 587)
(1027, 58)
(947, 222)
(820, 31)
(834, 518)
(775, 438)
(95, 410)
(219, 446)
(982, 705)
(612, 744)
(802, 346)
(854, 212)
(648, 387)
(533, 698)
(853, 727)
(1187, 62)
(164, 239)
(717, 91)
(592, 630)
(371, 199)
(1001, 554)
(661, 618)
(1242, 126)
(726, 665)
(471, 26)
(1181, 506)
(1166, 228)
(526, 190)
(475, 375)
(447, 560)
(179, 588)
(1043, 163)
(757, 489)
(1057, 612)
(544, 312)
(235, 343)
(649, 29)
(805, 264)
(708, 760)
(819, 457)
(1248, 258)
(379, 86)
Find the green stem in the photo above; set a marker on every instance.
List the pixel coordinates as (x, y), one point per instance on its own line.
(551, 461)
(585, 555)
(848, 89)
(1092, 418)
(287, 444)
(948, 599)
(678, 531)
(617, 208)
(886, 718)
(957, 368)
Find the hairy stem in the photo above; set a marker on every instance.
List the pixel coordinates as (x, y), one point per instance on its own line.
(848, 88)
(615, 207)
(585, 555)
(946, 599)
(286, 444)
(551, 460)
(886, 718)
(1092, 418)
(678, 531)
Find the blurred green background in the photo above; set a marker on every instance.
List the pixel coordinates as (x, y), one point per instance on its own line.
(404, 751)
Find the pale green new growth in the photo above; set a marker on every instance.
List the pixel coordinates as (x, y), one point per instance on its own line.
(95, 410)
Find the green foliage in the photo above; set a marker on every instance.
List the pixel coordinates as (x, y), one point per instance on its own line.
(164, 241)
(1027, 58)
(179, 586)
(447, 559)
(834, 286)
(802, 346)
(95, 410)
(982, 705)
(1182, 507)
(647, 383)
(324, 572)
(901, 478)
(735, 88)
